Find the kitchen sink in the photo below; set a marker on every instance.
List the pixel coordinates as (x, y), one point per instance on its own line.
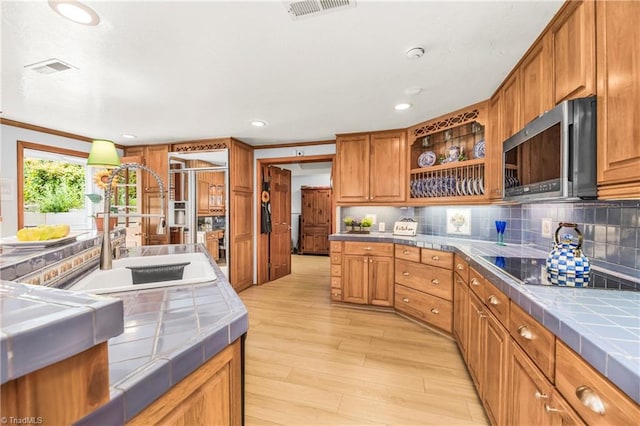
(197, 269)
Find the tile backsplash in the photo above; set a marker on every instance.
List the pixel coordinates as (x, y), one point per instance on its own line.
(610, 228)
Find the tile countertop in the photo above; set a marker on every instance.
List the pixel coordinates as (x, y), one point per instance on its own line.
(159, 335)
(603, 326)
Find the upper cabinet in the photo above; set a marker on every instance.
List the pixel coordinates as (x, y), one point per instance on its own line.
(447, 158)
(618, 70)
(536, 84)
(371, 167)
(572, 40)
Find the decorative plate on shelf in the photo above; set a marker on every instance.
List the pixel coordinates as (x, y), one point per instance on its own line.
(478, 149)
(427, 159)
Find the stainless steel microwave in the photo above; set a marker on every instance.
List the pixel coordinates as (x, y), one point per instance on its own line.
(554, 156)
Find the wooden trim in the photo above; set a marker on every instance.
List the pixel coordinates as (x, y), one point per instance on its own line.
(376, 131)
(262, 246)
(295, 144)
(22, 145)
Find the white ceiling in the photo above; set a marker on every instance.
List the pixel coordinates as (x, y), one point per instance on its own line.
(185, 70)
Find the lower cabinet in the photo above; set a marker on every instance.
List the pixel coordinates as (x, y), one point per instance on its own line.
(493, 366)
(211, 395)
(461, 305)
(367, 273)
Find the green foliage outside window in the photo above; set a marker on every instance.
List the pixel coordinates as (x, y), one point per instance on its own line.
(53, 186)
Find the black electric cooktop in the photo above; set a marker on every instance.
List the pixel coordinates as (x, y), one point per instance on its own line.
(533, 271)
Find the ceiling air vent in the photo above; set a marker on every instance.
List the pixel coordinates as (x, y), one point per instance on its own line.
(49, 66)
(307, 8)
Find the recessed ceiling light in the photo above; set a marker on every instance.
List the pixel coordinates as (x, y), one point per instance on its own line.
(258, 123)
(415, 53)
(411, 91)
(401, 107)
(75, 11)
(128, 136)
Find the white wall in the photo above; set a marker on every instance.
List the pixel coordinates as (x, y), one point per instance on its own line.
(9, 167)
(296, 198)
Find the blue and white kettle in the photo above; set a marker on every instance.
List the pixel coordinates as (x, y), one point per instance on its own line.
(566, 265)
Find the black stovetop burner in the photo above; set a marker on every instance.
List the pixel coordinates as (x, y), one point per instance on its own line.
(533, 271)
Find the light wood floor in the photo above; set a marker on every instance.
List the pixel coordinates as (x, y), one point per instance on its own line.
(310, 363)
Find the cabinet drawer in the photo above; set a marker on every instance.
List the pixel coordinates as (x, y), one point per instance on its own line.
(335, 246)
(425, 278)
(336, 282)
(575, 379)
(497, 302)
(336, 258)
(461, 267)
(476, 283)
(538, 342)
(428, 308)
(336, 270)
(336, 294)
(377, 249)
(407, 253)
(439, 258)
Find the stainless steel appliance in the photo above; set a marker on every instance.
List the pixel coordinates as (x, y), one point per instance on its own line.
(554, 156)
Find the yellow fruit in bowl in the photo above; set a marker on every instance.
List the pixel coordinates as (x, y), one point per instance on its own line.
(28, 234)
(60, 231)
(46, 232)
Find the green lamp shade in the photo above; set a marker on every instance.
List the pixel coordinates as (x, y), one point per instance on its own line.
(103, 153)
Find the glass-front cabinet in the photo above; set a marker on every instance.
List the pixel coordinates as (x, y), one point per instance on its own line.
(447, 157)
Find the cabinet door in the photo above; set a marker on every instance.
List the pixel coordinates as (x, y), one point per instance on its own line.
(380, 280)
(240, 167)
(618, 42)
(387, 167)
(476, 340)
(241, 240)
(352, 158)
(156, 157)
(354, 279)
(461, 314)
(511, 105)
(493, 366)
(573, 45)
(536, 81)
(203, 198)
(493, 148)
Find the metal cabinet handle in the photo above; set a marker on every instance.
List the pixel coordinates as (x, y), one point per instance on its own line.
(481, 314)
(435, 311)
(336, 293)
(435, 257)
(368, 248)
(524, 331)
(405, 252)
(435, 281)
(405, 299)
(459, 266)
(590, 399)
(549, 409)
(370, 260)
(540, 395)
(406, 274)
(475, 282)
(493, 300)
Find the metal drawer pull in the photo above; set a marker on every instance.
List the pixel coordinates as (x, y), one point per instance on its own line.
(540, 395)
(368, 248)
(459, 266)
(370, 260)
(481, 314)
(405, 299)
(405, 252)
(550, 409)
(435, 311)
(435, 281)
(474, 281)
(493, 300)
(406, 274)
(435, 257)
(590, 399)
(524, 331)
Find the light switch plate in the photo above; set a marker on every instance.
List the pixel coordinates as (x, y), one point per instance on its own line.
(546, 227)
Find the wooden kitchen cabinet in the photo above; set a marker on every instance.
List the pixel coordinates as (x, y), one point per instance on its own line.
(493, 148)
(572, 41)
(511, 106)
(618, 84)
(370, 167)
(210, 395)
(476, 342)
(493, 366)
(536, 87)
(461, 306)
(367, 273)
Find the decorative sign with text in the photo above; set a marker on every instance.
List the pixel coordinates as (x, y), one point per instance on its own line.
(405, 228)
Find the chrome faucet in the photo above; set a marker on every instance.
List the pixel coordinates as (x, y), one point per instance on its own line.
(106, 253)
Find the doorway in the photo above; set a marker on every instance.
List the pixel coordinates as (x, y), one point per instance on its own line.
(282, 254)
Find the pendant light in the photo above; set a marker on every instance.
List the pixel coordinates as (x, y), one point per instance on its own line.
(103, 153)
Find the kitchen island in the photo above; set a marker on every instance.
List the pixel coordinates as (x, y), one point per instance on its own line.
(598, 325)
(169, 334)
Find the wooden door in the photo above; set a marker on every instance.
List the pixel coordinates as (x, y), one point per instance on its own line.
(493, 369)
(352, 174)
(355, 279)
(280, 236)
(476, 337)
(380, 280)
(536, 81)
(618, 44)
(573, 51)
(387, 171)
(461, 314)
(316, 220)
